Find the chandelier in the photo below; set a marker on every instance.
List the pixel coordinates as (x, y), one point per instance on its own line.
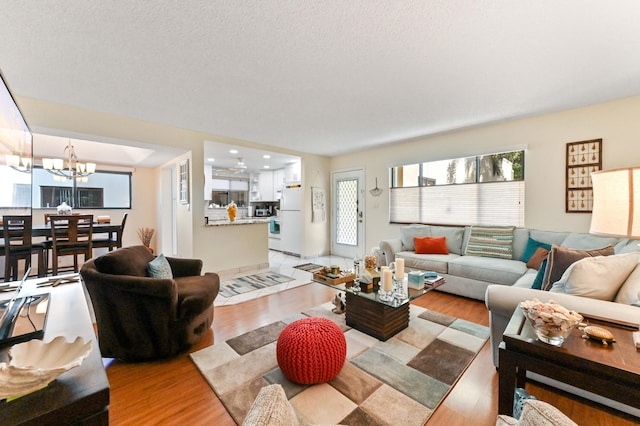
(19, 143)
(69, 167)
(18, 162)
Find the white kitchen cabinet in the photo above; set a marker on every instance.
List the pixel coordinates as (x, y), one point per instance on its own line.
(278, 182)
(292, 172)
(207, 182)
(266, 185)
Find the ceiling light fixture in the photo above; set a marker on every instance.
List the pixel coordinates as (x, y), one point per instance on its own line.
(69, 167)
(20, 141)
(18, 162)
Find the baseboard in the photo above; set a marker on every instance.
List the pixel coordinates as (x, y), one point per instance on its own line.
(244, 269)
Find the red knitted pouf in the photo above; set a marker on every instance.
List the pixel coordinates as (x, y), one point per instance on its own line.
(311, 350)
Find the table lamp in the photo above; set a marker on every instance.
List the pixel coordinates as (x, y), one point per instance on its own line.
(616, 202)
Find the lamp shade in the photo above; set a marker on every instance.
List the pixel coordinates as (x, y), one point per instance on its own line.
(616, 202)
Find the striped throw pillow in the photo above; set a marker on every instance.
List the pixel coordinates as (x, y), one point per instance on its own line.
(490, 242)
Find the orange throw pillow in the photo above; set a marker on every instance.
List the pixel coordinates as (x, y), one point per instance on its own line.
(430, 245)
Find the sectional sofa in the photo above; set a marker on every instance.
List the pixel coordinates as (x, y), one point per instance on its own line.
(502, 283)
(470, 276)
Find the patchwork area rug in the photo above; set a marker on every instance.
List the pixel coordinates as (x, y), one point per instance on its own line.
(397, 382)
(309, 267)
(253, 282)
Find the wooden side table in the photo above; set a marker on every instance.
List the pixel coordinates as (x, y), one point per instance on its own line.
(611, 371)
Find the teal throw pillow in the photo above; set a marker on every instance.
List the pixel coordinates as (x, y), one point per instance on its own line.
(532, 246)
(159, 267)
(537, 282)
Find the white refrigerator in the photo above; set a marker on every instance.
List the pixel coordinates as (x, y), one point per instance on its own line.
(291, 219)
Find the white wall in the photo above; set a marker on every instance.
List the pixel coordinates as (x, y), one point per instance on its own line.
(545, 138)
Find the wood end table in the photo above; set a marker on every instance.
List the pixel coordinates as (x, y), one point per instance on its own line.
(612, 371)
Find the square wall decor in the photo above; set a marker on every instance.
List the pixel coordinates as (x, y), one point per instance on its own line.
(583, 158)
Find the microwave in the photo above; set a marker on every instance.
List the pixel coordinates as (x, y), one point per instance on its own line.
(262, 212)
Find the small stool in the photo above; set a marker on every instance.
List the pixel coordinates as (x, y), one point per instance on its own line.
(311, 350)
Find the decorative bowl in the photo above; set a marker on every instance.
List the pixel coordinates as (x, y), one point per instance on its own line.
(35, 364)
(551, 322)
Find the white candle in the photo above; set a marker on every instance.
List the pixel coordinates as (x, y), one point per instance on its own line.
(400, 269)
(387, 280)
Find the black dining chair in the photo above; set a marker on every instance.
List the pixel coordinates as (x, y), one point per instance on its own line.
(18, 245)
(71, 235)
(113, 240)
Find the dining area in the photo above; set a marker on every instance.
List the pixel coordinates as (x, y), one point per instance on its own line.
(60, 242)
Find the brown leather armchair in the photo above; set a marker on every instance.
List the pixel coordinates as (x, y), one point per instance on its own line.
(141, 318)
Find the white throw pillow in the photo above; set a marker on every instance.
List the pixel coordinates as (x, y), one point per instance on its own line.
(629, 293)
(598, 277)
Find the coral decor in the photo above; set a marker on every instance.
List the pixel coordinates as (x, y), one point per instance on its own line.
(311, 350)
(232, 210)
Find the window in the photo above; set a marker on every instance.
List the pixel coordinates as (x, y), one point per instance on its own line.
(480, 190)
(103, 190)
(227, 190)
(87, 198)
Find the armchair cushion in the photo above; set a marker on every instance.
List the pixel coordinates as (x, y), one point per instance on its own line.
(125, 261)
(181, 267)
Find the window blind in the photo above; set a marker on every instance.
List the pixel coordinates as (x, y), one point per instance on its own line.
(495, 203)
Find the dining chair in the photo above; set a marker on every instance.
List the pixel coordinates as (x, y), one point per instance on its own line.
(71, 235)
(112, 241)
(18, 245)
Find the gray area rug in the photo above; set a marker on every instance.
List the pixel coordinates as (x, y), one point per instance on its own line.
(400, 381)
(240, 285)
(309, 267)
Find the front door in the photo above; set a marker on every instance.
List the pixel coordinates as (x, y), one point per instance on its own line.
(347, 224)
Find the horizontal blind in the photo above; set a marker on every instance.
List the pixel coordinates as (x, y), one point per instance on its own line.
(495, 203)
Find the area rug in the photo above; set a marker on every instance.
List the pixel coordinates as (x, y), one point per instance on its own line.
(240, 285)
(309, 267)
(400, 381)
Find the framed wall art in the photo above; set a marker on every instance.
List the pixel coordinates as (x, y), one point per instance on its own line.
(583, 158)
(183, 179)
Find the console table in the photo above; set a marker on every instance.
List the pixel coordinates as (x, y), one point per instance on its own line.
(611, 371)
(78, 396)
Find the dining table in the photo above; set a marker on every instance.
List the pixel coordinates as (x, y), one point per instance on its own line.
(98, 228)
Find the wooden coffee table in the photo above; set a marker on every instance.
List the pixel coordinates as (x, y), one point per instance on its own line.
(611, 371)
(367, 313)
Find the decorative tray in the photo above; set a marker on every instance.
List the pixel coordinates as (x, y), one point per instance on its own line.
(322, 276)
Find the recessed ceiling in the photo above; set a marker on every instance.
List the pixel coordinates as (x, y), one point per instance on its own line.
(325, 77)
(219, 156)
(105, 151)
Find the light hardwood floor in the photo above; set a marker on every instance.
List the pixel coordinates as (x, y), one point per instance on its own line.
(173, 391)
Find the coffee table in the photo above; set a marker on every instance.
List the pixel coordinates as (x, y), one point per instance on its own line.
(611, 371)
(367, 313)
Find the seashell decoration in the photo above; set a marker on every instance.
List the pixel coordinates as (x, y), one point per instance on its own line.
(35, 364)
(599, 334)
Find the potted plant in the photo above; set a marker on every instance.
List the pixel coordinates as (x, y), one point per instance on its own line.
(145, 235)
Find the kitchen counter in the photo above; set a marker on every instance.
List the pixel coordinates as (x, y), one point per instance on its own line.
(236, 246)
(243, 221)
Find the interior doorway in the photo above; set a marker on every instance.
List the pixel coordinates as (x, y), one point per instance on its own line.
(347, 224)
(168, 201)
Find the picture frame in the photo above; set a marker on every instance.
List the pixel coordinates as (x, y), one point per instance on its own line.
(183, 179)
(583, 158)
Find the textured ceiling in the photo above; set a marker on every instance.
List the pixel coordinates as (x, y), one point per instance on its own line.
(324, 77)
